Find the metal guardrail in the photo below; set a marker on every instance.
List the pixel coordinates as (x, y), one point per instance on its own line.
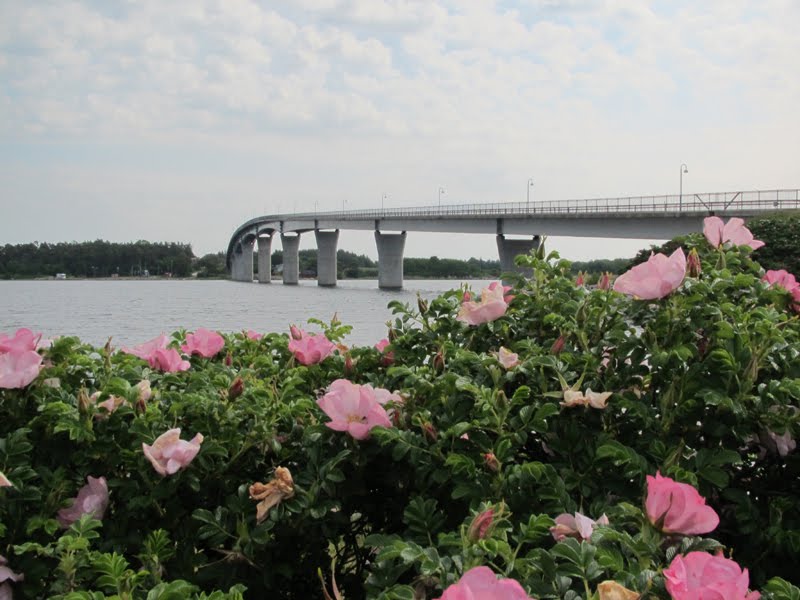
(713, 202)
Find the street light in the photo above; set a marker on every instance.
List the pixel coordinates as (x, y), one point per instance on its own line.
(528, 190)
(383, 199)
(683, 169)
(441, 191)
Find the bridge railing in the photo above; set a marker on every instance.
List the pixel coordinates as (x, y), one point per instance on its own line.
(705, 203)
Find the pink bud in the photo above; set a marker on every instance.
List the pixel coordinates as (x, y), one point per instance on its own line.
(236, 389)
(480, 526)
(604, 283)
(296, 333)
(491, 462)
(693, 266)
(558, 345)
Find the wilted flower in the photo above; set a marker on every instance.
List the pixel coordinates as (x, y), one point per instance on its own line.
(506, 357)
(203, 342)
(169, 453)
(270, 494)
(693, 265)
(353, 408)
(656, 278)
(480, 583)
(577, 398)
(491, 462)
(578, 526)
(611, 590)
(110, 404)
(733, 231)
(429, 431)
(19, 368)
(52, 382)
(781, 444)
(702, 575)
(678, 507)
(309, 349)
(493, 305)
(92, 500)
(7, 576)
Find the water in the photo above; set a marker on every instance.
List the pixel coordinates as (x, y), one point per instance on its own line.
(136, 311)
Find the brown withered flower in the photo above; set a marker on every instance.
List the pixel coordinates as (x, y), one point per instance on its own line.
(272, 493)
(611, 590)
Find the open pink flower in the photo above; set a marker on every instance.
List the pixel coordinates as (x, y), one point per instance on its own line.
(733, 231)
(6, 577)
(254, 335)
(493, 305)
(506, 357)
(147, 350)
(19, 368)
(169, 453)
(388, 357)
(481, 583)
(4, 482)
(783, 279)
(203, 342)
(678, 507)
(656, 278)
(703, 576)
(578, 526)
(92, 500)
(24, 339)
(169, 361)
(354, 408)
(110, 404)
(310, 349)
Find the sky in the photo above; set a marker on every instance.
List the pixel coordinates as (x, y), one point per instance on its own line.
(180, 120)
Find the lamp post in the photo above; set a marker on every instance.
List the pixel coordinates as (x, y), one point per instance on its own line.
(383, 199)
(683, 169)
(528, 191)
(441, 191)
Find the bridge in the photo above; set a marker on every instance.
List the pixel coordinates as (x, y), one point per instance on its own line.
(635, 217)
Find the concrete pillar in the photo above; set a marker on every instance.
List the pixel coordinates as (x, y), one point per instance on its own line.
(326, 257)
(265, 259)
(291, 259)
(390, 259)
(510, 249)
(247, 260)
(236, 264)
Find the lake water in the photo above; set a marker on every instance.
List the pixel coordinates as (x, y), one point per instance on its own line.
(136, 311)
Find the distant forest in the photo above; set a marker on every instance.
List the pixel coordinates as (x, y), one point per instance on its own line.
(159, 259)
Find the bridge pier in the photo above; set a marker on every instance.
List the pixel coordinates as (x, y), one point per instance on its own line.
(509, 249)
(326, 257)
(243, 261)
(265, 259)
(291, 259)
(390, 259)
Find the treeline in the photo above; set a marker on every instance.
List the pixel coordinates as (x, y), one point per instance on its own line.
(95, 259)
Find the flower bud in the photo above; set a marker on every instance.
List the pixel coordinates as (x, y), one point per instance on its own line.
(693, 266)
(481, 525)
(295, 332)
(392, 334)
(84, 402)
(580, 279)
(604, 283)
(429, 431)
(422, 304)
(467, 296)
(491, 462)
(348, 365)
(236, 389)
(228, 359)
(438, 362)
(558, 345)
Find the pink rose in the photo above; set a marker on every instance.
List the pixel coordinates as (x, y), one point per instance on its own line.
(92, 500)
(733, 231)
(4, 482)
(481, 583)
(493, 305)
(310, 349)
(254, 335)
(354, 408)
(702, 576)
(147, 350)
(19, 368)
(656, 278)
(169, 361)
(785, 280)
(388, 357)
(678, 507)
(6, 577)
(23, 340)
(579, 526)
(169, 454)
(506, 357)
(203, 342)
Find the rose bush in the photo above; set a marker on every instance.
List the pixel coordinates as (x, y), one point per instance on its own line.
(446, 473)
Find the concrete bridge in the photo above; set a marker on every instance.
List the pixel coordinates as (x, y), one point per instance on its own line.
(637, 217)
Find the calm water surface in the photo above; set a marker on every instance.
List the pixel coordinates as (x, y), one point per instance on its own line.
(136, 311)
